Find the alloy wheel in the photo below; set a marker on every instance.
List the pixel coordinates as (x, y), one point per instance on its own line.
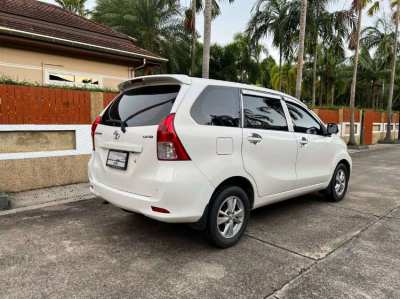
(230, 217)
(340, 182)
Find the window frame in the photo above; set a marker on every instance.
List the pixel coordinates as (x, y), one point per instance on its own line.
(307, 111)
(272, 96)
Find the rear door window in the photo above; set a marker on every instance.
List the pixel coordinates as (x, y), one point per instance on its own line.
(144, 106)
(217, 106)
(264, 113)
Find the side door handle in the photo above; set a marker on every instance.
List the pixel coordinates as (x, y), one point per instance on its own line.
(304, 141)
(254, 138)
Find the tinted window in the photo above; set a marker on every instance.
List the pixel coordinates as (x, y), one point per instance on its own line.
(217, 106)
(145, 106)
(303, 122)
(264, 113)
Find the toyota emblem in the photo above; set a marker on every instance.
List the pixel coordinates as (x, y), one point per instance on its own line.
(116, 135)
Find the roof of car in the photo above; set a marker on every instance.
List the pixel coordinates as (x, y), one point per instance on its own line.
(184, 79)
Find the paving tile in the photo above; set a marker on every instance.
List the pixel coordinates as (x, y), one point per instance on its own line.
(367, 267)
(307, 225)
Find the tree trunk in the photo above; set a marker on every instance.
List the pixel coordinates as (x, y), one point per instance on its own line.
(193, 66)
(326, 78)
(352, 140)
(373, 103)
(300, 62)
(280, 67)
(388, 137)
(314, 87)
(332, 94)
(207, 39)
(321, 91)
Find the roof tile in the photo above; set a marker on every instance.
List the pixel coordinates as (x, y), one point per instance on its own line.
(50, 20)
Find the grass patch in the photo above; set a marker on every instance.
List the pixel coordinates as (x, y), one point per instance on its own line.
(8, 81)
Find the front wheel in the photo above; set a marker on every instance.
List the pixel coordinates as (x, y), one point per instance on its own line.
(337, 188)
(228, 216)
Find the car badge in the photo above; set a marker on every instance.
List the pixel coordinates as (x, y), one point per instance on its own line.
(116, 135)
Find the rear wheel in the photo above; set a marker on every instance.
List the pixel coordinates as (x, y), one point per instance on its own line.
(228, 216)
(337, 188)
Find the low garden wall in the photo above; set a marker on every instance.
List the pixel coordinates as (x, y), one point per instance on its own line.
(45, 133)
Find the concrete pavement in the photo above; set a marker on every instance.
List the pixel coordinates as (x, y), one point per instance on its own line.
(302, 248)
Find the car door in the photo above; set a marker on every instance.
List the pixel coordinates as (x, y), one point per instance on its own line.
(314, 158)
(269, 149)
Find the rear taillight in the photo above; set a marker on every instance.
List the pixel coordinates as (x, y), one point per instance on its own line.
(96, 122)
(169, 147)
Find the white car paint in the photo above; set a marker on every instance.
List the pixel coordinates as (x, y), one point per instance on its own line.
(278, 168)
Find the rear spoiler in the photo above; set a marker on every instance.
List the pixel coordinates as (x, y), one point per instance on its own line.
(159, 79)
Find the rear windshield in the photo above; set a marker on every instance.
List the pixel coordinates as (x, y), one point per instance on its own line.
(144, 106)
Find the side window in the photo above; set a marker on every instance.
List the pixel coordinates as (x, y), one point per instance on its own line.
(303, 121)
(217, 106)
(264, 113)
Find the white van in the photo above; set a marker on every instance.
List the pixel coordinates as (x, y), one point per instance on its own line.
(189, 150)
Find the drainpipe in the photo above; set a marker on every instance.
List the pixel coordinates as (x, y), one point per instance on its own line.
(142, 66)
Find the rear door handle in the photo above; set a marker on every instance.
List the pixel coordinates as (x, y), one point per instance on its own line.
(304, 141)
(254, 138)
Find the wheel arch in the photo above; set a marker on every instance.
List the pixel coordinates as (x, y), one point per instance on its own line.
(239, 181)
(346, 163)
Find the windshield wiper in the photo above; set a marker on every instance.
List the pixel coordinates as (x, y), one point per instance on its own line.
(124, 122)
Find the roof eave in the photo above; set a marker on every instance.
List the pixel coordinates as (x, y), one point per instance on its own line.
(77, 44)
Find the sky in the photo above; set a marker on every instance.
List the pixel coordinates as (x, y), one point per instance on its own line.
(235, 16)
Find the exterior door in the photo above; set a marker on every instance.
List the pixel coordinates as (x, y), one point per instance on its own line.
(269, 150)
(315, 155)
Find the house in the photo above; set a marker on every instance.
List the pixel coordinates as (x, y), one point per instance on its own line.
(43, 43)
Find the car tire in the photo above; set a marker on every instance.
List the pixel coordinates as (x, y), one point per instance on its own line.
(338, 186)
(228, 215)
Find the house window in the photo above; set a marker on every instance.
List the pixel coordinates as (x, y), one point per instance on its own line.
(69, 79)
(61, 78)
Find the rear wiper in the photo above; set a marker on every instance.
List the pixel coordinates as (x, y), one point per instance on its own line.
(124, 122)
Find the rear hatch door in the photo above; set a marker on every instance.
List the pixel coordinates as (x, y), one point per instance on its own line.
(126, 140)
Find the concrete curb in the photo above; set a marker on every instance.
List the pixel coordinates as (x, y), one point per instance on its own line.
(47, 204)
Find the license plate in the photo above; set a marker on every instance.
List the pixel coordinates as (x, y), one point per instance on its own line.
(117, 159)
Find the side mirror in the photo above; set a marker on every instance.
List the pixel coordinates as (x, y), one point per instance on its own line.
(332, 129)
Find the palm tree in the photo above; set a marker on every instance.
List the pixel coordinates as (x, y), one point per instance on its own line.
(152, 23)
(271, 17)
(156, 24)
(300, 61)
(207, 39)
(211, 8)
(194, 36)
(357, 6)
(330, 28)
(381, 39)
(388, 138)
(372, 71)
(74, 6)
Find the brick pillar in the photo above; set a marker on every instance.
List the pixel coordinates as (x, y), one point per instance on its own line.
(96, 104)
(368, 126)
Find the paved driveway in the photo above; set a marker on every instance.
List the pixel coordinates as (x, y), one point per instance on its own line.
(301, 248)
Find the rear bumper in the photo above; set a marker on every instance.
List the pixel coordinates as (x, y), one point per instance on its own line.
(185, 197)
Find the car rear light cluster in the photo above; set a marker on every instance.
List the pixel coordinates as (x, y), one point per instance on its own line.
(169, 147)
(96, 122)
